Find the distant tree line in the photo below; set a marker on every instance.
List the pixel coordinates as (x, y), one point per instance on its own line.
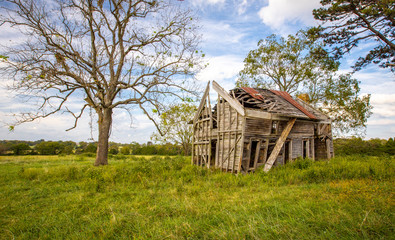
(356, 145)
(343, 146)
(42, 147)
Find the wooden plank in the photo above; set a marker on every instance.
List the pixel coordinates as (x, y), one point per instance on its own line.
(201, 142)
(308, 148)
(312, 149)
(257, 151)
(193, 145)
(231, 131)
(263, 115)
(249, 148)
(231, 150)
(258, 126)
(233, 102)
(265, 151)
(210, 130)
(217, 159)
(279, 144)
(234, 155)
(328, 148)
(241, 145)
(202, 103)
(229, 136)
(223, 105)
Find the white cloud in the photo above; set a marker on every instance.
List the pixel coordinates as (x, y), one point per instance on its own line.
(221, 68)
(381, 122)
(278, 14)
(220, 33)
(383, 99)
(242, 7)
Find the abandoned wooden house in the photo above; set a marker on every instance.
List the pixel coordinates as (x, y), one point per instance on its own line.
(248, 128)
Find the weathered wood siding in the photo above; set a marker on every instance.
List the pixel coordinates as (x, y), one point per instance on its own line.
(302, 128)
(297, 148)
(228, 140)
(202, 133)
(229, 134)
(258, 127)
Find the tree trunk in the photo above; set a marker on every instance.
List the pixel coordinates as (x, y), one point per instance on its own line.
(104, 122)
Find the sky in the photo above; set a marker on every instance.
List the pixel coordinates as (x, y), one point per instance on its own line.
(230, 29)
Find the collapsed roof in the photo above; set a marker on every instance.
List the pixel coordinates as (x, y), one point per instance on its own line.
(276, 102)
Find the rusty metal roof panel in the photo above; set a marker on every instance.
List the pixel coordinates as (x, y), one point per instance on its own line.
(289, 99)
(254, 93)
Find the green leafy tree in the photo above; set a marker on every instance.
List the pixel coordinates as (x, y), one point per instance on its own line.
(125, 150)
(174, 123)
(49, 148)
(286, 64)
(68, 147)
(348, 23)
(299, 64)
(390, 146)
(91, 148)
(114, 150)
(20, 148)
(4, 147)
(107, 54)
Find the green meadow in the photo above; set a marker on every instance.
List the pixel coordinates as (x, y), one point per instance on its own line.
(65, 197)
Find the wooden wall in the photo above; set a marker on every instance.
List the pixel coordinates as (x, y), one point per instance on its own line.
(240, 144)
(202, 135)
(229, 137)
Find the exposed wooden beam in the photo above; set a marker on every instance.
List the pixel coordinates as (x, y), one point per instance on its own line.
(263, 115)
(210, 127)
(202, 103)
(279, 144)
(232, 102)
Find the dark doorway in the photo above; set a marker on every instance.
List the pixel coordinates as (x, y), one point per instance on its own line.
(286, 152)
(213, 152)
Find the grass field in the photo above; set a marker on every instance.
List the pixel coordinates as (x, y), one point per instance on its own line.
(167, 198)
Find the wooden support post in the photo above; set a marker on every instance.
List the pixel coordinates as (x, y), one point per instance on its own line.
(257, 151)
(279, 144)
(223, 134)
(193, 143)
(249, 155)
(265, 151)
(230, 136)
(235, 139)
(210, 130)
(231, 101)
(313, 149)
(242, 145)
(217, 159)
(308, 148)
(328, 148)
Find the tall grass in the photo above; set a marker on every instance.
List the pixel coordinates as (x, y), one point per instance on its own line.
(167, 198)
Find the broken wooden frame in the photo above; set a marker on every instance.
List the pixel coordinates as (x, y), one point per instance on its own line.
(236, 138)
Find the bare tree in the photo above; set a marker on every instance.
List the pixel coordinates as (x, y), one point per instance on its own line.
(111, 54)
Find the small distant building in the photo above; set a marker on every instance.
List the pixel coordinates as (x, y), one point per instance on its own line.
(249, 127)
